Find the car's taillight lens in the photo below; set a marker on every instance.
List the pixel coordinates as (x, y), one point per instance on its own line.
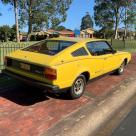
(50, 73)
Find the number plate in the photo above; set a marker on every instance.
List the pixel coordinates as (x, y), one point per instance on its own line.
(24, 66)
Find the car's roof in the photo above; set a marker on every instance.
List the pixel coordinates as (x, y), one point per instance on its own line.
(76, 39)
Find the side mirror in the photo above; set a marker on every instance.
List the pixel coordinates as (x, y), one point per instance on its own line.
(114, 51)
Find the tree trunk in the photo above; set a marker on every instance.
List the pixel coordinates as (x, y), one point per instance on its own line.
(116, 32)
(16, 20)
(30, 21)
(125, 23)
(116, 24)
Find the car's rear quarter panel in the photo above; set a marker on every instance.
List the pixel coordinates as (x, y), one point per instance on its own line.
(70, 70)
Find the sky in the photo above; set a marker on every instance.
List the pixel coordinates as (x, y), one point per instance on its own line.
(77, 10)
(74, 15)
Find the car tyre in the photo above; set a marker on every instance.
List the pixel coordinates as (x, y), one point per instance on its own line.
(120, 70)
(78, 87)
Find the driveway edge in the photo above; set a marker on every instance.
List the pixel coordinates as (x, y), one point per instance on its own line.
(90, 118)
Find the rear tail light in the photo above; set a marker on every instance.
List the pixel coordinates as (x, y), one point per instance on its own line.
(50, 73)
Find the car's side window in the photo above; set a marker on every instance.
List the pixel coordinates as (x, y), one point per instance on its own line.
(79, 52)
(99, 48)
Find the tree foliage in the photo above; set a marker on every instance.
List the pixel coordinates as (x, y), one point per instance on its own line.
(103, 14)
(39, 14)
(110, 13)
(60, 28)
(7, 33)
(42, 14)
(13, 33)
(14, 3)
(87, 22)
(130, 18)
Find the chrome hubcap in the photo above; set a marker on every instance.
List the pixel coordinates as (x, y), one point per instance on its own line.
(79, 86)
(121, 68)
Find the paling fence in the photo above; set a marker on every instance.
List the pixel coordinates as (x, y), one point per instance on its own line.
(123, 44)
(6, 48)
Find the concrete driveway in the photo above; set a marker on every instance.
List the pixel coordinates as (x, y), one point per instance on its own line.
(26, 111)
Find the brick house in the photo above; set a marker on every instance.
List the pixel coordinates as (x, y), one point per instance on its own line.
(87, 33)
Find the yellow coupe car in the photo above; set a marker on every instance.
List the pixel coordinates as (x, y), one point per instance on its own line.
(65, 63)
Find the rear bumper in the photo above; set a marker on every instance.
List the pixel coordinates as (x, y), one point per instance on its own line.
(32, 82)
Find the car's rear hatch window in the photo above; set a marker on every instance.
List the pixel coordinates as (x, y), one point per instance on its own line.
(49, 47)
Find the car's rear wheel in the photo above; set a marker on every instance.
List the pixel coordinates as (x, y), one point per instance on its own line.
(77, 88)
(120, 70)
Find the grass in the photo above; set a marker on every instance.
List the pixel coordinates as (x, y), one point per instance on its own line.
(131, 50)
(127, 45)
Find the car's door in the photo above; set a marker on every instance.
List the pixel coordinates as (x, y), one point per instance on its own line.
(110, 58)
(103, 57)
(96, 62)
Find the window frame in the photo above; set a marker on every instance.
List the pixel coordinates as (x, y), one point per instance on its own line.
(112, 50)
(79, 49)
(50, 40)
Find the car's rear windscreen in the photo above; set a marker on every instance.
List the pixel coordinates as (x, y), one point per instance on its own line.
(49, 47)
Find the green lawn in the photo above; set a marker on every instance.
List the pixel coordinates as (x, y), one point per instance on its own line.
(119, 44)
(129, 50)
(128, 45)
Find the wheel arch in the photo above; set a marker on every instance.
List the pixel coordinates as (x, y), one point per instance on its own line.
(126, 61)
(84, 72)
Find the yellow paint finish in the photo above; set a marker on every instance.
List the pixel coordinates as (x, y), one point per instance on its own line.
(69, 67)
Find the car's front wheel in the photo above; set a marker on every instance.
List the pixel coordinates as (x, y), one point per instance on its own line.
(120, 70)
(78, 87)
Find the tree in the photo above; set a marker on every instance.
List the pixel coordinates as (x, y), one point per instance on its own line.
(13, 33)
(103, 16)
(5, 33)
(14, 3)
(60, 28)
(42, 14)
(87, 22)
(110, 13)
(130, 16)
